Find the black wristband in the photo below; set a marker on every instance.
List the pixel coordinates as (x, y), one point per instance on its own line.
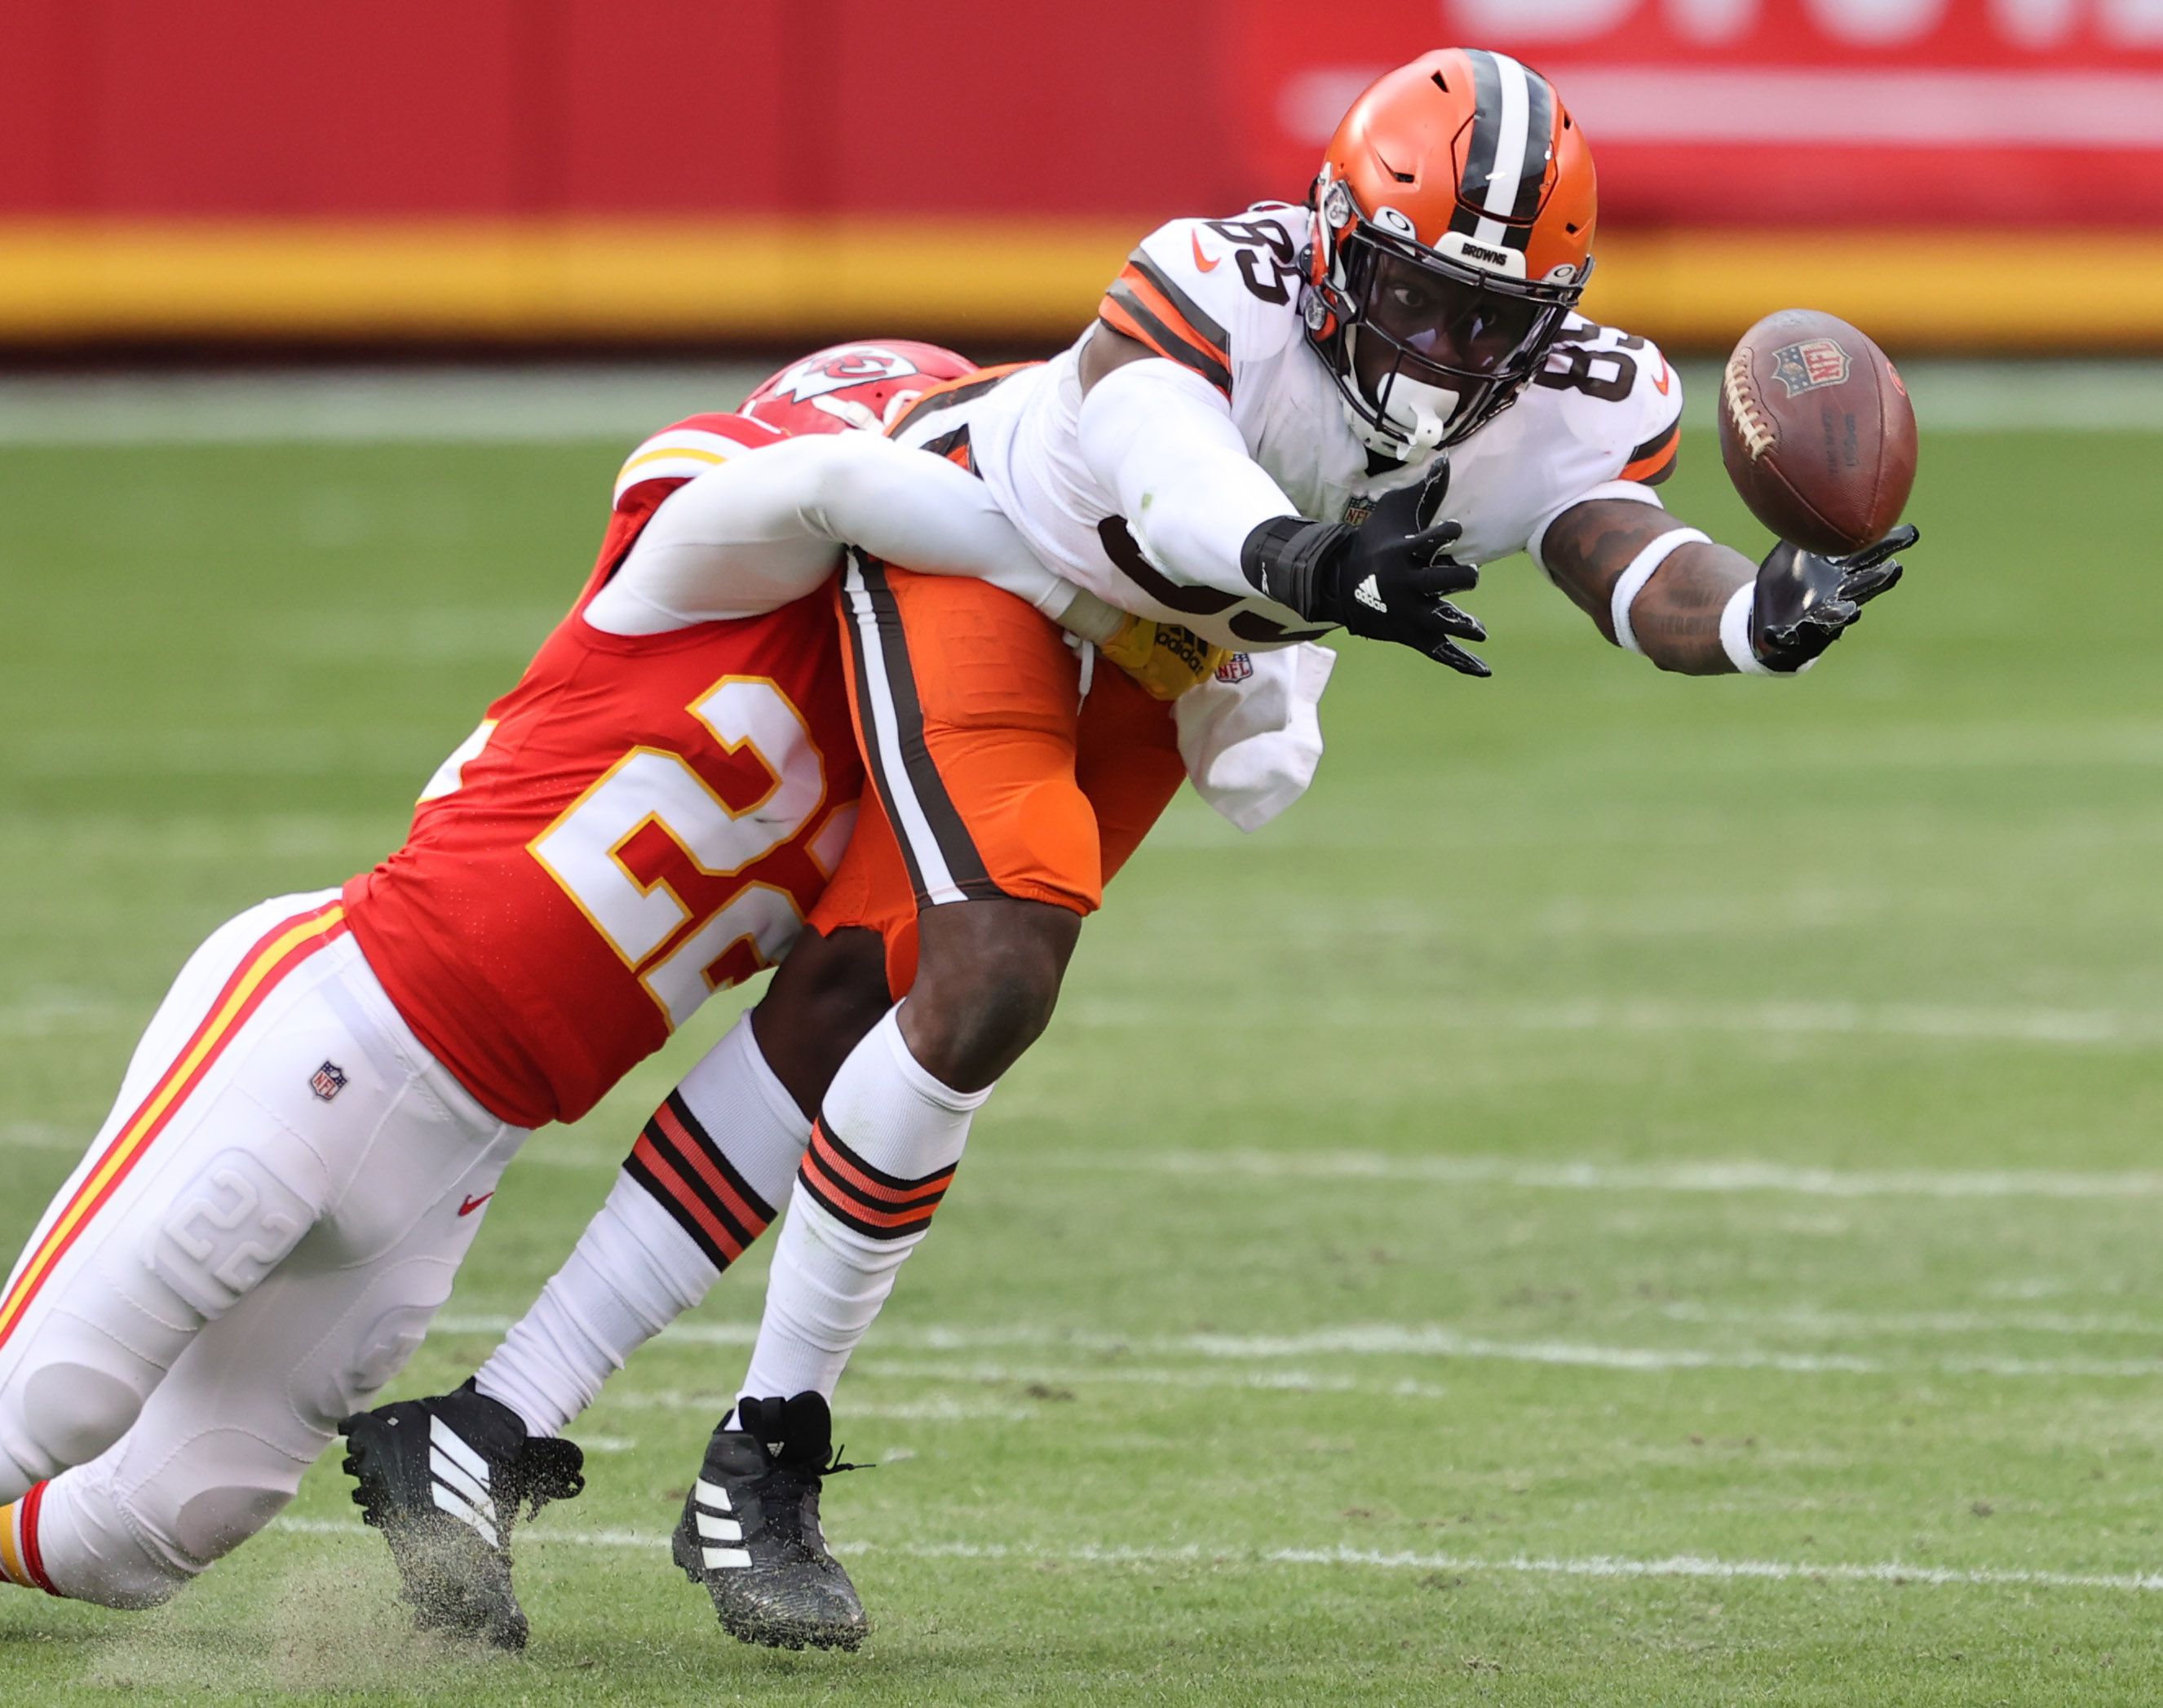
(1293, 562)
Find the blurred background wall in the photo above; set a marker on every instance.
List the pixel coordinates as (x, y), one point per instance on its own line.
(1953, 174)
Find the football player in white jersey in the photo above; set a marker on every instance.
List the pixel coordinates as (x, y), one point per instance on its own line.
(1299, 419)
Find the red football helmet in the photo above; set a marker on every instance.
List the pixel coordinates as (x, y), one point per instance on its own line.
(865, 385)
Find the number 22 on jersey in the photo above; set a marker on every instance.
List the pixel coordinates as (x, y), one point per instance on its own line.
(647, 852)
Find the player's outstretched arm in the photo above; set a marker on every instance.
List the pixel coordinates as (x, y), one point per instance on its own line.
(1691, 605)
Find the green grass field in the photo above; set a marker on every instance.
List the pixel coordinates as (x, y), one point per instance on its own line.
(1638, 1190)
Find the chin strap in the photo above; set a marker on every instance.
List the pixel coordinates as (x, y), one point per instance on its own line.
(1377, 434)
(1397, 447)
(1426, 435)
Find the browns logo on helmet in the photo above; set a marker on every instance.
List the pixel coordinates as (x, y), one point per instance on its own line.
(1453, 224)
(864, 386)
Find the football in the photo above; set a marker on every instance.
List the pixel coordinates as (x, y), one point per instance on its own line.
(1817, 431)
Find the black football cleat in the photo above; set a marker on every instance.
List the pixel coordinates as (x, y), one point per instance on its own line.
(750, 1532)
(444, 1480)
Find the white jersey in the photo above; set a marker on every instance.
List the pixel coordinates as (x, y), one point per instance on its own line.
(1222, 298)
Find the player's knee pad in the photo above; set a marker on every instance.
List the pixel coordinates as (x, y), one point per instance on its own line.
(62, 1413)
(196, 1506)
(213, 1521)
(338, 1372)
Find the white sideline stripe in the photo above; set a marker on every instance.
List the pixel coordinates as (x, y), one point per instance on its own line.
(1711, 1176)
(1680, 1565)
(1402, 1340)
(554, 404)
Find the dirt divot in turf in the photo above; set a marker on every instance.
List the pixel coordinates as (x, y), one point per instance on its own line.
(159, 1655)
(319, 1634)
(323, 1629)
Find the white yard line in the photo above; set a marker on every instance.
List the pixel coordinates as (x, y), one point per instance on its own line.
(1394, 1340)
(43, 1135)
(943, 1409)
(1924, 1323)
(1945, 1023)
(626, 401)
(1953, 1023)
(485, 406)
(1363, 1340)
(64, 1011)
(1238, 1557)
(1362, 1166)
(1295, 1382)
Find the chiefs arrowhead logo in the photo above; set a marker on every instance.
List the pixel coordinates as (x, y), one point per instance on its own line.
(839, 370)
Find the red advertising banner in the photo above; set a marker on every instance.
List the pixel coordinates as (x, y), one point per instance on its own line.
(1778, 113)
(624, 170)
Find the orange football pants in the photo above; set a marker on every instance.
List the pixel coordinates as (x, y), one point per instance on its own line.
(991, 773)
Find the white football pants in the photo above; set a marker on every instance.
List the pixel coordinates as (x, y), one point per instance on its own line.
(254, 1244)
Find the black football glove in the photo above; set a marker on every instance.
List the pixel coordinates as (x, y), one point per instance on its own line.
(1384, 580)
(1804, 603)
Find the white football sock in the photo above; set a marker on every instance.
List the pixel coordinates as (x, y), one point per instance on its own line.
(684, 1208)
(889, 1138)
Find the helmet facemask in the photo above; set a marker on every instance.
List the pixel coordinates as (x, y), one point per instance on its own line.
(1426, 346)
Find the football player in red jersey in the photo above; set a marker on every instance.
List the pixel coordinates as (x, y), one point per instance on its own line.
(320, 1109)
(1249, 440)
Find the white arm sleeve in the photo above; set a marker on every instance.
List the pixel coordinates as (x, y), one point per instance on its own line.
(1160, 438)
(758, 530)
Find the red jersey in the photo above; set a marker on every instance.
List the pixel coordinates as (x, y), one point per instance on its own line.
(643, 821)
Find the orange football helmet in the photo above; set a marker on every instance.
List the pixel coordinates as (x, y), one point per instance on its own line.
(1452, 225)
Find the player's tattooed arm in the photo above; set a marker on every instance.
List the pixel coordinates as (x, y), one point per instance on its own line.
(1694, 606)
(1675, 615)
